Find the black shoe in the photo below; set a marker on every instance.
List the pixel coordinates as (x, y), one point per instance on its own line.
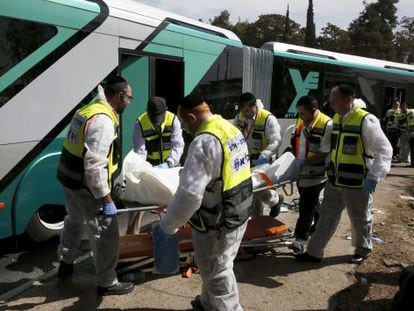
(196, 304)
(307, 257)
(275, 209)
(65, 269)
(119, 288)
(358, 259)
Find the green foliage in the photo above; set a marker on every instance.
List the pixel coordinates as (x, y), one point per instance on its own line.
(310, 40)
(334, 39)
(268, 27)
(372, 32)
(223, 20)
(404, 40)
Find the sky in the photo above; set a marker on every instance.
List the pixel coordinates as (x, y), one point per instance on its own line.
(340, 13)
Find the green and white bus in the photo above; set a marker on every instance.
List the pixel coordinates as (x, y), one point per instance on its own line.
(299, 71)
(54, 54)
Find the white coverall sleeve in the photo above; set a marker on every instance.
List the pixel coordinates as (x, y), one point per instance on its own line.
(203, 164)
(377, 145)
(326, 139)
(272, 132)
(99, 135)
(139, 142)
(177, 144)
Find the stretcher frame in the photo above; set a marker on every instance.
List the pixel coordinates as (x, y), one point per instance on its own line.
(251, 244)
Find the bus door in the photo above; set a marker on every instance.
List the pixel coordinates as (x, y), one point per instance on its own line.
(167, 80)
(392, 94)
(149, 76)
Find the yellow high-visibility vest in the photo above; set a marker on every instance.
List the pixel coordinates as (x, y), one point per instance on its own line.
(347, 167)
(391, 125)
(410, 119)
(258, 137)
(313, 145)
(157, 144)
(402, 118)
(237, 198)
(71, 167)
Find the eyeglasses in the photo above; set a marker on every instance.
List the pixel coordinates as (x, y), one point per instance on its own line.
(129, 97)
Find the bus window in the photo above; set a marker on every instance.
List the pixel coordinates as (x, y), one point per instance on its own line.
(18, 39)
(392, 94)
(222, 84)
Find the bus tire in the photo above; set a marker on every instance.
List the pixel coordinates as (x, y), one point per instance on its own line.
(41, 227)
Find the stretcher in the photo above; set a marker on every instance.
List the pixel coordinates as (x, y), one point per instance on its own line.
(263, 233)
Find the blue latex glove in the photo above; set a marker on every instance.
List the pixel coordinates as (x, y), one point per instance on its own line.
(260, 160)
(166, 253)
(162, 165)
(369, 185)
(109, 209)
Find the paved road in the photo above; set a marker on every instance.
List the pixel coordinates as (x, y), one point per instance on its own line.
(22, 260)
(268, 282)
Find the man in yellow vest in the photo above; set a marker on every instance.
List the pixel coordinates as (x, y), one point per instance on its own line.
(410, 129)
(87, 168)
(390, 123)
(158, 136)
(262, 133)
(360, 157)
(404, 142)
(311, 145)
(215, 194)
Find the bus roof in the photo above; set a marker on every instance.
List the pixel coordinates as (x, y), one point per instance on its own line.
(136, 11)
(340, 59)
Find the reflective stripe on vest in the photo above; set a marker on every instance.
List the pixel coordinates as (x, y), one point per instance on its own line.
(158, 146)
(259, 140)
(410, 119)
(402, 120)
(391, 126)
(313, 145)
(71, 166)
(237, 198)
(347, 167)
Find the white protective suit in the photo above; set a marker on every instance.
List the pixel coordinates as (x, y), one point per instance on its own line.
(82, 206)
(177, 143)
(356, 201)
(214, 251)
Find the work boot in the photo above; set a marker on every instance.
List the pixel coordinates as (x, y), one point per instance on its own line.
(358, 259)
(196, 304)
(65, 269)
(119, 288)
(298, 247)
(275, 209)
(307, 257)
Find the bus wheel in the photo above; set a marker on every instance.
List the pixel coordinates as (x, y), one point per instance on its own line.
(47, 222)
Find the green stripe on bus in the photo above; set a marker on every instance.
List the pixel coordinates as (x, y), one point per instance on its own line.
(203, 35)
(196, 66)
(74, 14)
(21, 68)
(341, 63)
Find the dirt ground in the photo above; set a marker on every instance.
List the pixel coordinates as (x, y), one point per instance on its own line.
(270, 281)
(375, 282)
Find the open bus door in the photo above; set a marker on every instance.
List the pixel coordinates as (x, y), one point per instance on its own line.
(149, 76)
